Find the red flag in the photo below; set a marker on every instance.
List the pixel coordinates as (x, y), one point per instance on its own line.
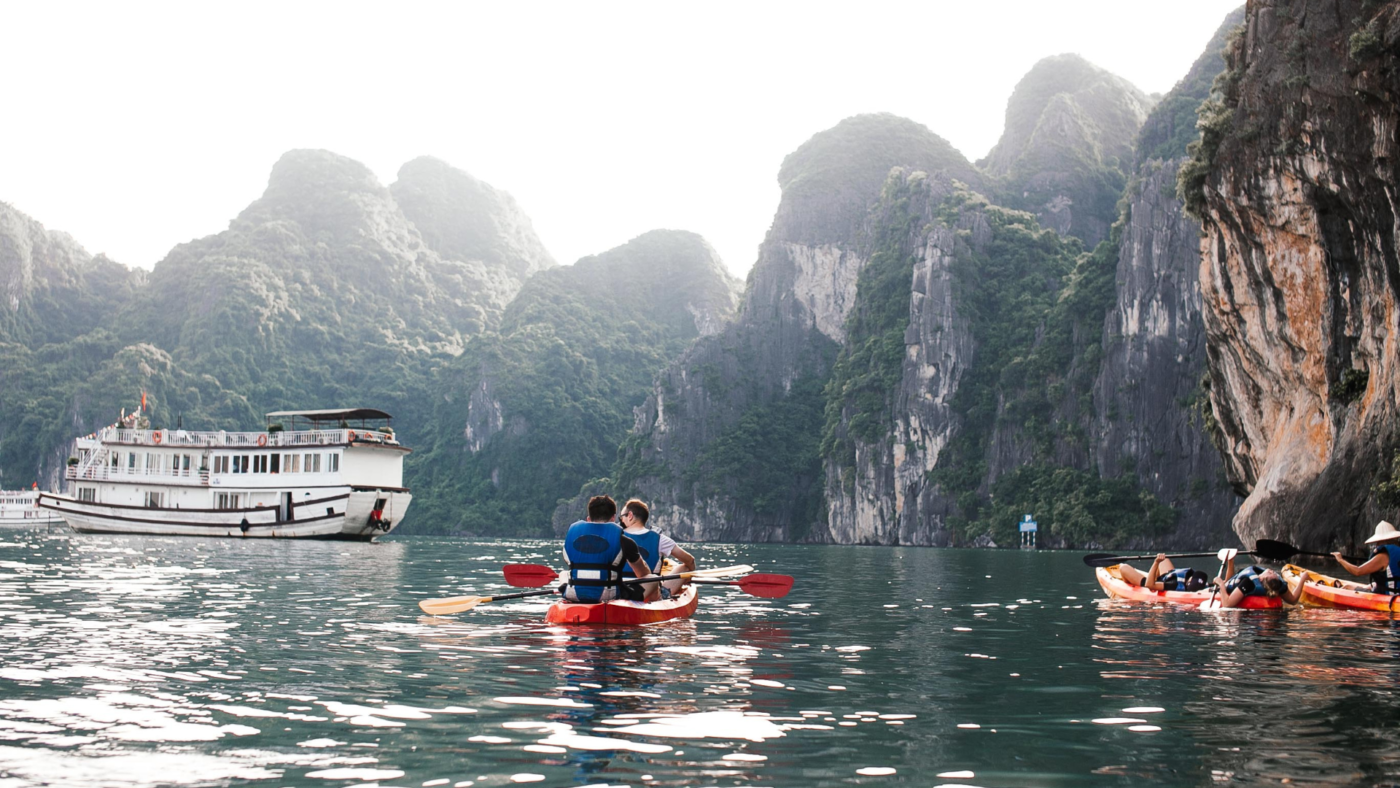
(36, 485)
(143, 400)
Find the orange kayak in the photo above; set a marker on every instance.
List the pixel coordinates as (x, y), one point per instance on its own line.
(1116, 587)
(625, 613)
(1319, 590)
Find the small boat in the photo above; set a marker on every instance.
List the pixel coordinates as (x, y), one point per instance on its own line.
(1117, 588)
(624, 612)
(20, 508)
(1319, 590)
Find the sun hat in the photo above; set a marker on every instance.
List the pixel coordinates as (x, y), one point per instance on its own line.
(1384, 533)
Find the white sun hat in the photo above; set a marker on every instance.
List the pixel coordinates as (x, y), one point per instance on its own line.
(1384, 533)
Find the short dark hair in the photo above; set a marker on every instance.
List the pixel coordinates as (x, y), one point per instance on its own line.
(601, 508)
(1275, 585)
(638, 509)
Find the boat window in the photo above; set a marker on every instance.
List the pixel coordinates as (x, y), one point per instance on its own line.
(131, 460)
(312, 463)
(291, 463)
(184, 462)
(88, 494)
(154, 500)
(333, 462)
(276, 463)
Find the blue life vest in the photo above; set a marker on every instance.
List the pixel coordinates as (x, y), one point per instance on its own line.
(1247, 581)
(594, 552)
(649, 544)
(1387, 580)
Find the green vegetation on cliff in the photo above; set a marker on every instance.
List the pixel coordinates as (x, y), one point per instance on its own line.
(869, 367)
(534, 410)
(1036, 303)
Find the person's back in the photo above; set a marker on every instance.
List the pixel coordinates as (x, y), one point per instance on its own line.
(654, 546)
(597, 553)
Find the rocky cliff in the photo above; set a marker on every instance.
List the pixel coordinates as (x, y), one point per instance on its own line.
(1151, 412)
(1295, 182)
(728, 442)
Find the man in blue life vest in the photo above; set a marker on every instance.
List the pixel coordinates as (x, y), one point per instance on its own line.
(655, 547)
(1384, 564)
(597, 551)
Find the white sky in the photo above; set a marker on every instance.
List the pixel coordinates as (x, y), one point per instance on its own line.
(137, 126)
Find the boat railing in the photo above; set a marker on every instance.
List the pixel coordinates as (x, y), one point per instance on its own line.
(251, 440)
(98, 473)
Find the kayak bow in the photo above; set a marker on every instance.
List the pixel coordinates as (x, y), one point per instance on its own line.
(625, 612)
(1320, 590)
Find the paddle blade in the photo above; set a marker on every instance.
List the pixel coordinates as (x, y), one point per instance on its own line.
(1102, 559)
(529, 575)
(449, 605)
(1270, 550)
(771, 586)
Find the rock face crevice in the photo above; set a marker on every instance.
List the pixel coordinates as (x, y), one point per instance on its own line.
(1299, 267)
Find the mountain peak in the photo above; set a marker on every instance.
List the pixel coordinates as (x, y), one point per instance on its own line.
(463, 218)
(1112, 106)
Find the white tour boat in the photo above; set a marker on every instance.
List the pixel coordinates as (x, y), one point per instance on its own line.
(297, 479)
(21, 508)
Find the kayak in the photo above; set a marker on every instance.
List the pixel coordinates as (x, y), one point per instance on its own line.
(1319, 590)
(1117, 588)
(625, 612)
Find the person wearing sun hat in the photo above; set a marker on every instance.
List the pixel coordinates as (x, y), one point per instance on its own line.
(1384, 564)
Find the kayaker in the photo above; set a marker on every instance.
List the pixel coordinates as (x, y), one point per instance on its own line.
(1253, 581)
(1164, 576)
(655, 547)
(1384, 564)
(597, 551)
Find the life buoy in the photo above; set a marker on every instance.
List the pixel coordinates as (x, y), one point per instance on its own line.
(352, 435)
(155, 436)
(262, 440)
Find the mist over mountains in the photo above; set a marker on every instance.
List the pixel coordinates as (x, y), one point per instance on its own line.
(926, 349)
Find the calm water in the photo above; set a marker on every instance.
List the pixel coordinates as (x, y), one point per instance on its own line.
(153, 661)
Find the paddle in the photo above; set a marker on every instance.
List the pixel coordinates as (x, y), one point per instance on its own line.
(1109, 559)
(460, 604)
(1271, 550)
(765, 585)
(539, 575)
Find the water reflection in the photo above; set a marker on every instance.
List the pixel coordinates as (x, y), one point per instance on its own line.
(142, 661)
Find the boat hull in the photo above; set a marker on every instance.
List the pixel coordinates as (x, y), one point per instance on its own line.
(1320, 590)
(1116, 587)
(340, 515)
(625, 613)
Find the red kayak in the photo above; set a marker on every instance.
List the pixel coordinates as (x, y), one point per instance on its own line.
(625, 613)
(1118, 588)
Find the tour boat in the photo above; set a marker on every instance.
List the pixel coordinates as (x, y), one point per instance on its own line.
(1116, 587)
(20, 508)
(1320, 590)
(328, 474)
(624, 612)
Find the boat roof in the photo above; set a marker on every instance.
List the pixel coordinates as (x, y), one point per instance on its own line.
(334, 414)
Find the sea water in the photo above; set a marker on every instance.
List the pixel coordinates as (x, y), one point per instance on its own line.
(142, 661)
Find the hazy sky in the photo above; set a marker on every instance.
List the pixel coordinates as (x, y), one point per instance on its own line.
(137, 126)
